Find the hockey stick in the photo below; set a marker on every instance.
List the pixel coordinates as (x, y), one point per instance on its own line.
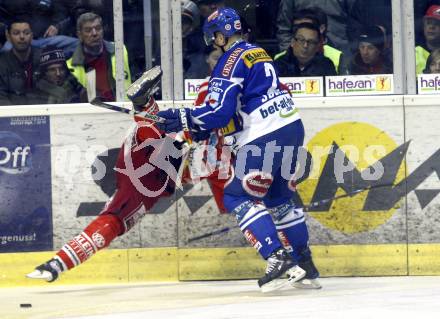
(97, 102)
(349, 194)
(305, 207)
(215, 232)
(186, 131)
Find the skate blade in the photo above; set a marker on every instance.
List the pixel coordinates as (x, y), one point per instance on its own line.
(307, 284)
(274, 285)
(37, 274)
(293, 275)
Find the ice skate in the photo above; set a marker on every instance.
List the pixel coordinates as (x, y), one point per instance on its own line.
(310, 280)
(280, 263)
(48, 271)
(143, 88)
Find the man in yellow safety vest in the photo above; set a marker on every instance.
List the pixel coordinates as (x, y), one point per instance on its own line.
(93, 53)
(431, 32)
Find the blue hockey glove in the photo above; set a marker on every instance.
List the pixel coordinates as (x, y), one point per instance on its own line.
(175, 120)
(179, 120)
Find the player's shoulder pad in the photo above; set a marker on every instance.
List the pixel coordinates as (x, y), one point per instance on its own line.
(255, 55)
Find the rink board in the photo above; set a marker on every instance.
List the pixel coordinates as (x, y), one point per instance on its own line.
(173, 264)
(347, 236)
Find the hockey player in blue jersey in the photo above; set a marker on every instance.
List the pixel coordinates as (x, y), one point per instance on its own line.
(245, 98)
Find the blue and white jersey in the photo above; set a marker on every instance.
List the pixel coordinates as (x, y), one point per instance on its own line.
(244, 96)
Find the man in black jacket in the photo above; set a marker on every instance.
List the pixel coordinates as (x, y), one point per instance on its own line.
(370, 57)
(303, 57)
(19, 66)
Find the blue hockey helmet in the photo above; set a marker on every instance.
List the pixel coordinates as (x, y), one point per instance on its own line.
(223, 20)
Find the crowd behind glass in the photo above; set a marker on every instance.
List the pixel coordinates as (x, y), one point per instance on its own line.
(51, 48)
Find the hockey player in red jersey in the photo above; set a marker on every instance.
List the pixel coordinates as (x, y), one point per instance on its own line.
(133, 197)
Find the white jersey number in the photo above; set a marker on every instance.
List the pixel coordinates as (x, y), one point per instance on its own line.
(269, 71)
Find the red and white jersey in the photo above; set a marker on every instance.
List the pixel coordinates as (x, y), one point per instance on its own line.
(210, 159)
(205, 160)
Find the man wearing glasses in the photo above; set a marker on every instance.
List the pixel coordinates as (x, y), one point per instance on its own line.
(303, 57)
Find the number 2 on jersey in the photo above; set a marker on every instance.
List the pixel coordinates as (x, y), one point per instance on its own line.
(269, 71)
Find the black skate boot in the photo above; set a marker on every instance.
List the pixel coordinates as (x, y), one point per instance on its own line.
(278, 264)
(143, 88)
(48, 271)
(310, 280)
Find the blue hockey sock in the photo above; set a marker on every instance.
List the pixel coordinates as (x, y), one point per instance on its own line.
(292, 230)
(258, 227)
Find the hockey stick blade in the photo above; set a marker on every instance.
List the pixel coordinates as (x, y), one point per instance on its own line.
(154, 118)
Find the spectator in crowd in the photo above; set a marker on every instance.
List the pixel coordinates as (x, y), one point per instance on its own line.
(94, 53)
(19, 66)
(431, 31)
(303, 57)
(133, 19)
(56, 84)
(318, 17)
(420, 7)
(365, 13)
(193, 46)
(190, 17)
(370, 58)
(337, 12)
(433, 63)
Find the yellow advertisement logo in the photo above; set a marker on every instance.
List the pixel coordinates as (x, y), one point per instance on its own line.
(383, 83)
(312, 87)
(229, 129)
(362, 145)
(253, 56)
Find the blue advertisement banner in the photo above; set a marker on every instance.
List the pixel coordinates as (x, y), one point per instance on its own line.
(25, 184)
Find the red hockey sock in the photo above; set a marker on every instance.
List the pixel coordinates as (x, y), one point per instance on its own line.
(96, 236)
